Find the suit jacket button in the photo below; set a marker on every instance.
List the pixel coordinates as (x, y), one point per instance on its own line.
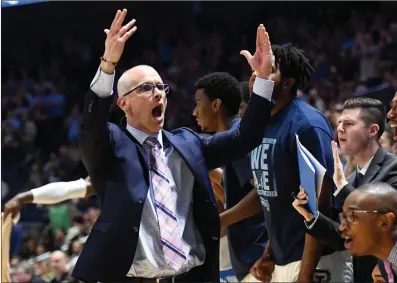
(136, 229)
(141, 200)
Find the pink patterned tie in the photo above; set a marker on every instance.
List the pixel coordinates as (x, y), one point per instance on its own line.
(171, 236)
(389, 271)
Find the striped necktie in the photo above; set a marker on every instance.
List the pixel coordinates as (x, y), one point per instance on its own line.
(171, 236)
(389, 271)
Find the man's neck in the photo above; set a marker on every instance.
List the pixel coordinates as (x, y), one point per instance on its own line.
(366, 154)
(384, 248)
(140, 127)
(280, 104)
(224, 124)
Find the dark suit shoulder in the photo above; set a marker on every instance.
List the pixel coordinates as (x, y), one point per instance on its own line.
(390, 158)
(187, 134)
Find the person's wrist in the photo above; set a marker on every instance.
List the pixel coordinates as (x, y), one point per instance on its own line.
(19, 198)
(341, 183)
(225, 218)
(308, 217)
(264, 76)
(268, 254)
(107, 67)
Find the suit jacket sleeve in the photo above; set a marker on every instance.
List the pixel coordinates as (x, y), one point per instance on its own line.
(342, 194)
(95, 139)
(327, 231)
(225, 147)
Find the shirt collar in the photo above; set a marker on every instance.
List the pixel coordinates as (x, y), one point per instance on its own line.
(365, 167)
(393, 257)
(141, 136)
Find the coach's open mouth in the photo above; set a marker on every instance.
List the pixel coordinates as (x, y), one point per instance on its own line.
(157, 111)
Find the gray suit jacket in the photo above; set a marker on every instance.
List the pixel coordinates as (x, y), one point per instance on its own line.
(383, 168)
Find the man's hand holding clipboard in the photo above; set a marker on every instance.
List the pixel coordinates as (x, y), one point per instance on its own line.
(300, 204)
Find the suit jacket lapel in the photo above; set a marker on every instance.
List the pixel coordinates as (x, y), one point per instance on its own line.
(185, 151)
(352, 177)
(141, 150)
(375, 166)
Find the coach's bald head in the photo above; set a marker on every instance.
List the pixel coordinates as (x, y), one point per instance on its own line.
(142, 97)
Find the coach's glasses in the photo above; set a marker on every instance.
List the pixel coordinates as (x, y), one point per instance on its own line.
(147, 87)
(349, 216)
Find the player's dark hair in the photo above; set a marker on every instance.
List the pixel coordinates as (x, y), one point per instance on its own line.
(294, 64)
(372, 111)
(223, 86)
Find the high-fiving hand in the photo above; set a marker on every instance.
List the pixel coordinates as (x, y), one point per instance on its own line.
(116, 37)
(262, 60)
(339, 174)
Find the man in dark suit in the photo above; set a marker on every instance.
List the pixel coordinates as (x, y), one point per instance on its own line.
(360, 126)
(159, 220)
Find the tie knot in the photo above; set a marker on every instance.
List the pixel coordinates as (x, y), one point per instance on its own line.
(152, 142)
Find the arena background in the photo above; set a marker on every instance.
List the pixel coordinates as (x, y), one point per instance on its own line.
(51, 50)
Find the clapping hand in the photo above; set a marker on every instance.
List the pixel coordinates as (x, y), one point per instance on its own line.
(116, 38)
(261, 62)
(339, 174)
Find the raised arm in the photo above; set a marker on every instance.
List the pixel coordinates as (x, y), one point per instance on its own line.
(222, 148)
(95, 140)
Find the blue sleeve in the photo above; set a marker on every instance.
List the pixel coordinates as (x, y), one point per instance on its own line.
(242, 168)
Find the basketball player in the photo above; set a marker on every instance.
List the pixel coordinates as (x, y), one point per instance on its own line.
(218, 99)
(291, 255)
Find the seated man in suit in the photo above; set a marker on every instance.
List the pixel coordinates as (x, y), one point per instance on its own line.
(159, 220)
(360, 126)
(367, 226)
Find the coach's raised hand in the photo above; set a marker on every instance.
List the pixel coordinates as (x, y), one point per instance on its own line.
(116, 37)
(261, 61)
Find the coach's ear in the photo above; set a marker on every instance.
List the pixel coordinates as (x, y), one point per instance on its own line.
(122, 103)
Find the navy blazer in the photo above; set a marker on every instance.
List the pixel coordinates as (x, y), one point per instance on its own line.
(118, 167)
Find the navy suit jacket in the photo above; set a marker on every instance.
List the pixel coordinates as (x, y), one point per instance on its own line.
(118, 167)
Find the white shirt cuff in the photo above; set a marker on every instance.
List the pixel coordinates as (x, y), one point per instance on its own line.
(339, 189)
(102, 84)
(263, 88)
(314, 222)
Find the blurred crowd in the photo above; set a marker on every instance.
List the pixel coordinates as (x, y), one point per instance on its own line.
(44, 83)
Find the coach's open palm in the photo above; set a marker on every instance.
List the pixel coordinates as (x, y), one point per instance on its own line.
(116, 36)
(261, 61)
(339, 174)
